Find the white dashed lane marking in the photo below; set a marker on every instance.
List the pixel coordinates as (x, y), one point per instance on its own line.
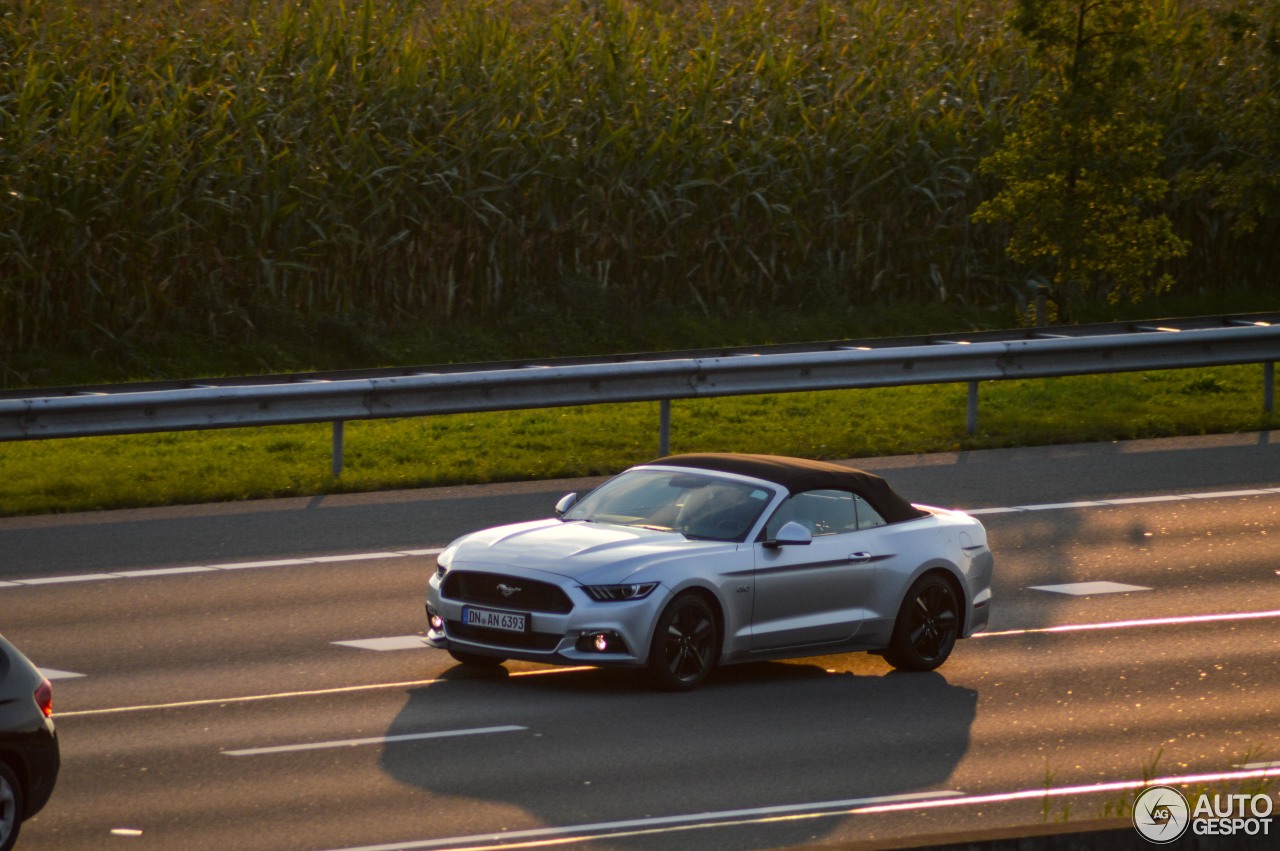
(54, 674)
(414, 642)
(1086, 589)
(395, 642)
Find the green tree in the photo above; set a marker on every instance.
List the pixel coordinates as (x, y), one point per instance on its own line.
(1243, 169)
(1081, 172)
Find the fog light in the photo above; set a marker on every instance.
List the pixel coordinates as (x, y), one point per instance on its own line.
(601, 642)
(435, 621)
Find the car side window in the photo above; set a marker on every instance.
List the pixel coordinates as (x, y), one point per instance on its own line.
(868, 517)
(822, 512)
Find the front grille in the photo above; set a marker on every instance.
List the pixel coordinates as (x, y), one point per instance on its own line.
(482, 589)
(501, 638)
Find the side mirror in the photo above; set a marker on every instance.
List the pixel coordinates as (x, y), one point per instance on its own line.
(791, 534)
(566, 502)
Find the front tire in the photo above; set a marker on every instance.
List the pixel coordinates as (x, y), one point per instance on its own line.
(927, 626)
(685, 643)
(10, 808)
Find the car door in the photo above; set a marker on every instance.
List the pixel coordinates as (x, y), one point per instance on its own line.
(819, 592)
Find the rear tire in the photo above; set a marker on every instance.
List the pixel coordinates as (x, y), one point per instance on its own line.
(685, 644)
(478, 660)
(10, 807)
(927, 626)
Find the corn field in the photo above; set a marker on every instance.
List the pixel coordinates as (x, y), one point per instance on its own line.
(442, 160)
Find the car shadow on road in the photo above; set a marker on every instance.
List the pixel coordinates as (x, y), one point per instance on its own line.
(600, 746)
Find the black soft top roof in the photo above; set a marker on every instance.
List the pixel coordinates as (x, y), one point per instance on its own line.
(801, 474)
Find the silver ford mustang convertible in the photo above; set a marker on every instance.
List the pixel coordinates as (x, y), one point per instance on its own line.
(694, 561)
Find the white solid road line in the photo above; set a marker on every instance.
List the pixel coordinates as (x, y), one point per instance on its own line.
(1180, 620)
(254, 698)
(209, 568)
(1134, 500)
(430, 551)
(319, 692)
(415, 642)
(373, 740)
(541, 837)
(658, 824)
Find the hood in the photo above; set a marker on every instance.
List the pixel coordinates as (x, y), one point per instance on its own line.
(576, 549)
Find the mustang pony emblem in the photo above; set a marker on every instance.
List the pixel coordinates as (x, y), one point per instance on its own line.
(508, 590)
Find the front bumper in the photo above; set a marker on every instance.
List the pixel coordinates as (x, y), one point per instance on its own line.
(612, 634)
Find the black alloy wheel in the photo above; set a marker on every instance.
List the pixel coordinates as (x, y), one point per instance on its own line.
(927, 626)
(685, 643)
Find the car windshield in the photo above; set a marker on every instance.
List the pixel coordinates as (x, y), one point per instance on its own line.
(694, 504)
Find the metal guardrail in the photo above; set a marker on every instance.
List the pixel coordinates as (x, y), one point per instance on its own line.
(407, 392)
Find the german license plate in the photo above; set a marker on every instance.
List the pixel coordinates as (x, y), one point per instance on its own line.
(491, 619)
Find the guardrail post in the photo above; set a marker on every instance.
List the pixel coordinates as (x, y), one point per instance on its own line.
(971, 421)
(664, 427)
(1268, 387)
(339, 427)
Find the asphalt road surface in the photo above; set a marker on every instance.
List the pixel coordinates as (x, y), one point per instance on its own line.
(205, 697)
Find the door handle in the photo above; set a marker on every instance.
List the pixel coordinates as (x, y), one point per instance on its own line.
(860, 558)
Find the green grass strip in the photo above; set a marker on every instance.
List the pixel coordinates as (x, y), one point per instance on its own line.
(233, 464)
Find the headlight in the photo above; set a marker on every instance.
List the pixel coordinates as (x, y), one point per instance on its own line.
(619, 593)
